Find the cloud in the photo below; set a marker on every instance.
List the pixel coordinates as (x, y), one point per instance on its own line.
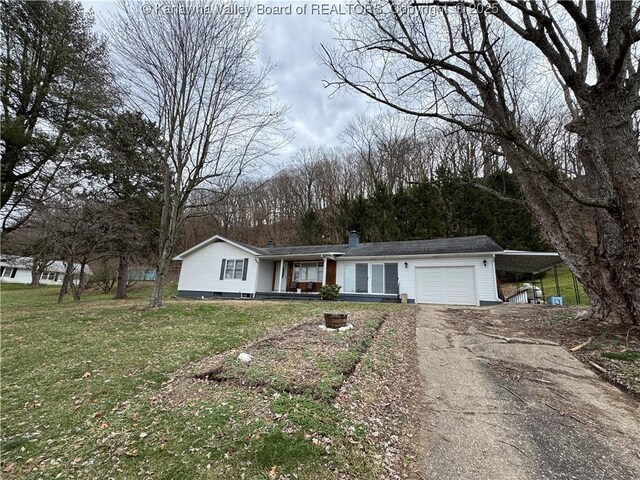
(292, 42)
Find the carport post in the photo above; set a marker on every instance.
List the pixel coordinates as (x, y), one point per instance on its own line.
(281, 273)
(576, 289)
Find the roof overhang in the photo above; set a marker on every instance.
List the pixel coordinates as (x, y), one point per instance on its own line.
(521, 261)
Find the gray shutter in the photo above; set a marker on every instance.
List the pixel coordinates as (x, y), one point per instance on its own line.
(391, 278)
(362, 271)
(224, 264)
(244, 268)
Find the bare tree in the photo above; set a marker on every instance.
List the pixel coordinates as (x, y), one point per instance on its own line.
(192, 69)
(507, 69)
(79, 228)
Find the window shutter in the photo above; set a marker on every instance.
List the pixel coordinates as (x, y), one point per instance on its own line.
(224, 263)
(244, 268)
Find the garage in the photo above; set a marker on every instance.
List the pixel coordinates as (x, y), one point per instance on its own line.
(448, 285)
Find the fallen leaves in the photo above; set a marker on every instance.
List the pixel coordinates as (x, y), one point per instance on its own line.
(273, 473)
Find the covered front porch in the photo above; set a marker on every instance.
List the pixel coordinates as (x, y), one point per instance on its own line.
(300, 275)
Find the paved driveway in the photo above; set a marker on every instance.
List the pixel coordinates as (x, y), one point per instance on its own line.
(499, 409)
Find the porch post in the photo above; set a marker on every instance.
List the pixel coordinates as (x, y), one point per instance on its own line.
(324, 272)
(281, 273)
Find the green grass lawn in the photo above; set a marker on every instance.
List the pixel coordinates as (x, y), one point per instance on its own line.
(81, 384)
(565, 282)
(567, 291)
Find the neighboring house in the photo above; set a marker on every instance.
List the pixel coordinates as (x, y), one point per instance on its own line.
(457, 271)
(14, 269)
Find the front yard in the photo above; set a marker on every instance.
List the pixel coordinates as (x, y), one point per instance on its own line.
(106, 388)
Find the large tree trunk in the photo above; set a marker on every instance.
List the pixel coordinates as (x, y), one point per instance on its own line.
(171, 214)
(601, 246)
(612, 165)
(123, 275)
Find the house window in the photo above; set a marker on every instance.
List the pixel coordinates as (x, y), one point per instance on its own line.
(377, 278)
(384, 278)
(308, 271)
(233, 269)
(349, 285)
(356, 278)
(8, 272)
(362, 277)
(50, 276)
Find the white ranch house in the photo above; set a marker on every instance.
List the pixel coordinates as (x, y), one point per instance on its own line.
(456, 271)
(14, 269)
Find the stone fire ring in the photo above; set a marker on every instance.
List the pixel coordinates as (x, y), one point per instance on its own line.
(348, 326)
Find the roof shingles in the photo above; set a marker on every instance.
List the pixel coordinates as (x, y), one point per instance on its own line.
(440, 246)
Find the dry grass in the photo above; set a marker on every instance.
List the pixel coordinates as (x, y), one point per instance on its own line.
(90, 390)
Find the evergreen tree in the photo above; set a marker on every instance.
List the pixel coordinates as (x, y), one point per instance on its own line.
(310, 228)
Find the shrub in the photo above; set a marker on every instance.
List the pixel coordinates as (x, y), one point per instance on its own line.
(330, 292)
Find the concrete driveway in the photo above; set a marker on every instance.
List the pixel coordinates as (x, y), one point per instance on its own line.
(511, 409)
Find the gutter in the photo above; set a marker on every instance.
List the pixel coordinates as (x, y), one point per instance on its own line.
(423, 255)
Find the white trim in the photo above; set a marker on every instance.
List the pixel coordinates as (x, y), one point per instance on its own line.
(214, 239)
(324, 272)
(255, 283)
(528, 254)
(495, 280)
(281, 274)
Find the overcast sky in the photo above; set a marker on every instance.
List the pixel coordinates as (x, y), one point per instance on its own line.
(292, 42)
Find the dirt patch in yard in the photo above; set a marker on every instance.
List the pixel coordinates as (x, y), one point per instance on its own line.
(302, 360)
(612, 350)
(384, 397)
(368, 425)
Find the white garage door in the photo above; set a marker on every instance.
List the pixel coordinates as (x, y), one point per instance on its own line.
(451, 285)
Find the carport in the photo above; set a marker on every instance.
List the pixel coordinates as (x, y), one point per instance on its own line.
(531, 263)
